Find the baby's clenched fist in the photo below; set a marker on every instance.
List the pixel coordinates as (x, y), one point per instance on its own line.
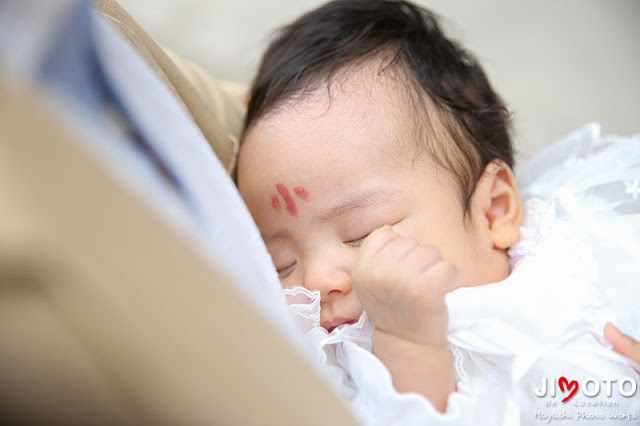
(401, 284)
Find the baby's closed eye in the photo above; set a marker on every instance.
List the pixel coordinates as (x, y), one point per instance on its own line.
(357, 242)
(284, 271)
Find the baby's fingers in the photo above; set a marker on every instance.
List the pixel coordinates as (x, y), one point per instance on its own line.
(623, 344)
(443, 277)
(376, 241)
(422, 258)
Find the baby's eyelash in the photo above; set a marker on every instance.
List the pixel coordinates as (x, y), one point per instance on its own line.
(284, 272)
(359, 241)
(356, 243)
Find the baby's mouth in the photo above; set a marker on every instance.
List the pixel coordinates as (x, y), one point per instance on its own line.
(336, 322)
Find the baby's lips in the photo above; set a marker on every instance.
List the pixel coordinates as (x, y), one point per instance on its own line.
(336, 322)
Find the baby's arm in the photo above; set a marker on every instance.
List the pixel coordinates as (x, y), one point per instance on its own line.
(401, 285)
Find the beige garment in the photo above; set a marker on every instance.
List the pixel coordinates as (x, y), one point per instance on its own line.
(109, 317)
(214, 106)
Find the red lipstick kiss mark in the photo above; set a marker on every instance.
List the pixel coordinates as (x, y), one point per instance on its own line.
(275, 203)
(301, 193)
(290, 205)
(569, 384)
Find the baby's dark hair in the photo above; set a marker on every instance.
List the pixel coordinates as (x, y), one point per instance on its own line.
(346, 33)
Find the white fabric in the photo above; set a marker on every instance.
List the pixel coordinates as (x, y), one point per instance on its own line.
(544, 321)
(593, 181)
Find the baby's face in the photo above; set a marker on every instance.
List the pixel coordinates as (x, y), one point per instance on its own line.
(319, 176)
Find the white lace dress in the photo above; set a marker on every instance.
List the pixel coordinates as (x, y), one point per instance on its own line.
(544, 322)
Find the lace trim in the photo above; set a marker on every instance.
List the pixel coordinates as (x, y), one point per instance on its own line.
(458, 364)
(304, 307)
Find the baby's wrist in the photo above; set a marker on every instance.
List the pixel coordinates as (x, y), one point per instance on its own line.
(417, 367)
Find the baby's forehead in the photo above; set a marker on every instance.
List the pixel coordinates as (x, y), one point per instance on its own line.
(368, 93)
(370, 108)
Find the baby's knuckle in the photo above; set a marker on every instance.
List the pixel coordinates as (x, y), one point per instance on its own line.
(412, 242)
(449, 269)
(430, 253)
(434, 252)
(442, 271)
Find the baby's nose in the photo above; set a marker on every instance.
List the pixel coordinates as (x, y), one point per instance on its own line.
(327, 279)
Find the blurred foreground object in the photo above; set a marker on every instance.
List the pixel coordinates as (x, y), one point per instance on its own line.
(121, 298)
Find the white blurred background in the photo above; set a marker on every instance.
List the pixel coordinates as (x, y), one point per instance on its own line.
(557, 64)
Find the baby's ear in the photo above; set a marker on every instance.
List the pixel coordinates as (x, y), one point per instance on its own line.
(498, 198)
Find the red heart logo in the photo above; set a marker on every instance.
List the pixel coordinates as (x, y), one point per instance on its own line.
(569, 384)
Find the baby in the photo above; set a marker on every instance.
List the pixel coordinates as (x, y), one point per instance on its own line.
(377, 164)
